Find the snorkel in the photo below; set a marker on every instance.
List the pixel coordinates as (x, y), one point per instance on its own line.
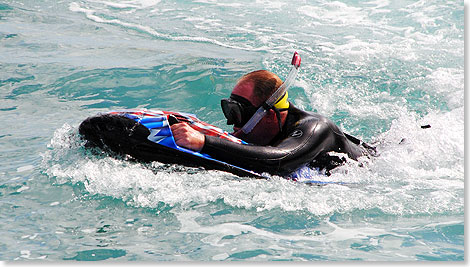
(269, 104)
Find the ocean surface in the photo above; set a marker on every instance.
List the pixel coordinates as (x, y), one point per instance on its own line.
(379, 69)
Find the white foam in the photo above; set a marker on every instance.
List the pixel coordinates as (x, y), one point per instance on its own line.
(267, 4)
(429, 160)
(220, 257)
(23, 188)
(426, 16)
(25, 254)
(359, 47)
(423, 174)
(448, 83)
(219, 3)
(335, 12)
(25, 168)
(90, 14)
(215, 233)
(122, 4)
(88, 230)
(379, 4)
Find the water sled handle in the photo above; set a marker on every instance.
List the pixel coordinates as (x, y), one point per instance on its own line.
(172, 120)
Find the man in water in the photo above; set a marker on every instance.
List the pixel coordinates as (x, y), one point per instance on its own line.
(284, 140)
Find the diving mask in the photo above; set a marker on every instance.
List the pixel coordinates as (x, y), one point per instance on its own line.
(238, 110)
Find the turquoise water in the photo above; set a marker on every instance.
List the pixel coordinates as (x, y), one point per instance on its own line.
(379, 69)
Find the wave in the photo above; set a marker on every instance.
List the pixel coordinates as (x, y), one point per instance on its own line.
(92, 15)
(406, 179)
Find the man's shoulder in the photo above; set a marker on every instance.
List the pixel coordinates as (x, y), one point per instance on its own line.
(310, 122)
(309, 117)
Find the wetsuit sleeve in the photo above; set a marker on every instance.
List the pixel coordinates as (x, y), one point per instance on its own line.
(302, 144)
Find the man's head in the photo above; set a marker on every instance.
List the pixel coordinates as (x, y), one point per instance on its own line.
(250, 92)
(257, 86)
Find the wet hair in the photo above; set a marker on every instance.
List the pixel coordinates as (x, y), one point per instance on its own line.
(265, 83)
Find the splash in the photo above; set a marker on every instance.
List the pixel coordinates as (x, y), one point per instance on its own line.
(389, 183)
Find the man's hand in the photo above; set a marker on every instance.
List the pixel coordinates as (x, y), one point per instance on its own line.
(187, 137)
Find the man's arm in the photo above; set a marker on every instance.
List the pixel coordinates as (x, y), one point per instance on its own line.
(302, 145)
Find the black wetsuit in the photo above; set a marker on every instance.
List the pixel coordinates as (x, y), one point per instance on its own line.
(305, 139)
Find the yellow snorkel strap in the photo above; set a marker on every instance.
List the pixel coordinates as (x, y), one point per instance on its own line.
(282, 103)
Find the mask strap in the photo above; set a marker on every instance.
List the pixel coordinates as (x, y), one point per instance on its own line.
(278, 115)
